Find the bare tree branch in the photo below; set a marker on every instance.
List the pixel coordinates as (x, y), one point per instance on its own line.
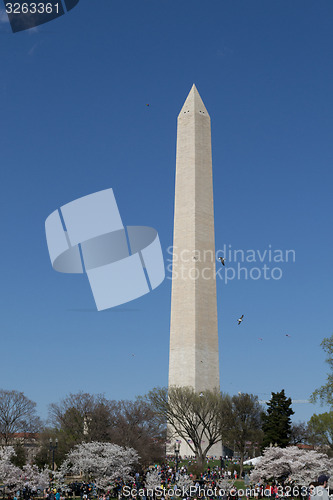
(17, 414)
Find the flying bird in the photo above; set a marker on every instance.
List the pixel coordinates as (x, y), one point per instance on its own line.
(240, 319)
(147, 105)
(259, 338)
(288, 335)
(222, 259)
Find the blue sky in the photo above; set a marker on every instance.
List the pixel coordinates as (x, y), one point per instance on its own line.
(74, 120)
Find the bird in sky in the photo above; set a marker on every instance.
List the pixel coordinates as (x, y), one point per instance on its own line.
(147, 105)
(133, 355)
(288, 335)
(240, 319)
(222, 259)
(259, 338)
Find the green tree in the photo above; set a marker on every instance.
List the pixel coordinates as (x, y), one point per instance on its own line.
(246, 424)
(20, 458)
(276, 420)
(44, 455)
(320, 428)
(325, 393)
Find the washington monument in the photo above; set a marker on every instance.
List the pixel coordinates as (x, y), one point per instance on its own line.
(194, 355)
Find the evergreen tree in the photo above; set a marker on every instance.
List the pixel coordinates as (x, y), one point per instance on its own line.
(276, 420)
(20, 457)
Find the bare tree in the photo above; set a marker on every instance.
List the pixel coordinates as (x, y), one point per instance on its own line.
(85, 417)
(137, 425)
(246, 424)
(17, 415)
(82, 416)
(196, 418)
(300, 433)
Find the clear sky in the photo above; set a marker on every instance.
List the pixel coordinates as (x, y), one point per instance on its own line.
(74, 120)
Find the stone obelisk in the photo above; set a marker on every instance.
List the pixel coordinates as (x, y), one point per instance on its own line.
(194, 354)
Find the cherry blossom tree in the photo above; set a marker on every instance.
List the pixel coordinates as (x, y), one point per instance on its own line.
(299, 467)
(184, 482)
(58, 479)
(32, 478)
(14, 478)
(103, 462)
(6, 453)
(10, 475)
(153, 479)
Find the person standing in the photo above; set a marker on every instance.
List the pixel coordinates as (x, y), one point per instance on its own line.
(320, 492)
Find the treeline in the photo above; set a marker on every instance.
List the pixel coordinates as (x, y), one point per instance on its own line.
(77, 419)
(201, 420)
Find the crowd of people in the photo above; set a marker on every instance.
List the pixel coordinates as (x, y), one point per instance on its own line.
(214, 483)
(217, 482)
